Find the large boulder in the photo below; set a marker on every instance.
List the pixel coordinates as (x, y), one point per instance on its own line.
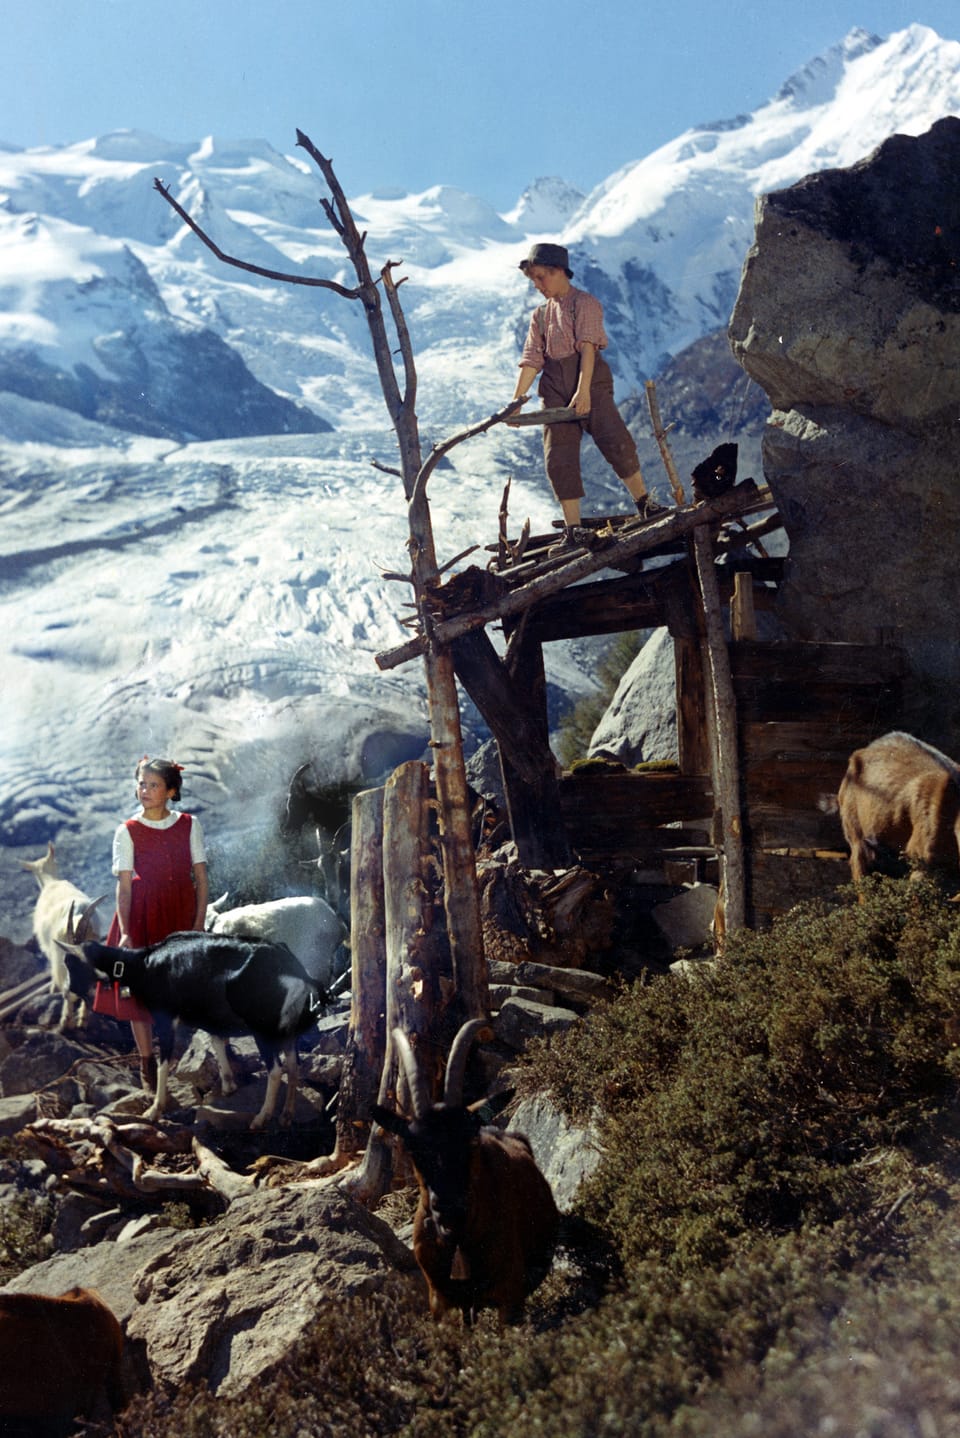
(245, 1291)
(640, 723)
(848, 315)
(225, 1304)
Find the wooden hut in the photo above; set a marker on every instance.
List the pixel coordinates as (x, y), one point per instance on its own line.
(793, 711)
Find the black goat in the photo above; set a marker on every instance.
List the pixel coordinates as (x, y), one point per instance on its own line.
(219, 983)
(486, 1225)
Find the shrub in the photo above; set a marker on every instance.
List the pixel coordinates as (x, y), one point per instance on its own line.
(781, 1179)
(743, 1098)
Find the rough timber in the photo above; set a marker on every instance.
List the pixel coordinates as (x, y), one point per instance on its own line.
(798, 709)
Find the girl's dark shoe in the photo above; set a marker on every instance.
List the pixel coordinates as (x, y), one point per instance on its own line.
(148, 1074)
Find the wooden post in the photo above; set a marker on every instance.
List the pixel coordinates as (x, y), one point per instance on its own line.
(726, 782)
(660, 435)
(693, 733)
(363, 1060)
(513, 703)
(409, 940)
(743, 615)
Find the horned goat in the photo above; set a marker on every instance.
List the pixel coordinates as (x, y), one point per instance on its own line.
(486, 1225)
(306, 924)
(900, 793)
(59, 1358)
(223, 985)
(57, 899)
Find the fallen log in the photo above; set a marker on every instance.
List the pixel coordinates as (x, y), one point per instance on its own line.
(14, 999)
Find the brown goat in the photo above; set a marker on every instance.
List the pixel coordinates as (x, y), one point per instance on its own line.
(59, 1358)
(899, 793)
(486, 1225)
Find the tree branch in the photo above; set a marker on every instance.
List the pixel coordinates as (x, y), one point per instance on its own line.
(243, 264)
(439, 450)
(403, 335)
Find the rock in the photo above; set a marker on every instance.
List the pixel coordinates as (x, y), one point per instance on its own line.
(565, 1153)
(232, 1113)
(107, 1267)
(484, 773)
(104, 1083)
(499, 993)
(72, 1227)
(16, 1113)
(41, 1059)
(321, 1070)
(18, 963)
(640, 723)
(849, 317)
(331, 1033)
(685, 919)
(519, 1021)
(224, 1305)
(578, 987)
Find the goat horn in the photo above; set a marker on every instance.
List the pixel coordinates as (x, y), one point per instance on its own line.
(419, 1097)
(457, 1062)
(86, 916)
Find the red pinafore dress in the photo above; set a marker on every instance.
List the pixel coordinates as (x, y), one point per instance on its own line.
(163, 898)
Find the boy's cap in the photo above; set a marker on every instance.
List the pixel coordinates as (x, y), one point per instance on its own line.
(555, 257)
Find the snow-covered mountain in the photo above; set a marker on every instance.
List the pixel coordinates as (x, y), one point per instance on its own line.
(194, 534)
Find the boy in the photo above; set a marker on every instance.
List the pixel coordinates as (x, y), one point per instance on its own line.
(563, 346)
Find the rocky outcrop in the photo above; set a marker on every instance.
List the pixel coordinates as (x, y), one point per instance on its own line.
(224, 1305)
(849, 317)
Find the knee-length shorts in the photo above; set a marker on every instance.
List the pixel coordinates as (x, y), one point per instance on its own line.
(604, 424)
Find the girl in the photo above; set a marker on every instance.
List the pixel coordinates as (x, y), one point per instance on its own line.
(563, 346)
(161, 869)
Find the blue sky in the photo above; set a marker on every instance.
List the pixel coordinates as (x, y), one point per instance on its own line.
(486, 95)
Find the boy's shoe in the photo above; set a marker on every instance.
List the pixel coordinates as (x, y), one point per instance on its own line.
(649, 506)
(574, 536)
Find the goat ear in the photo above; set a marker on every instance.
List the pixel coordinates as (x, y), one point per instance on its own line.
(392, 1122)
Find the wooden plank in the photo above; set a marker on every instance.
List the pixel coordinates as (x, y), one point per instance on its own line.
(595, 833)
(743, 616)
(762, 742)
(655, 798)
(768, 826)
(784, 700)
(605, 606)
(850, 664)
(779, 881)
(792, 783)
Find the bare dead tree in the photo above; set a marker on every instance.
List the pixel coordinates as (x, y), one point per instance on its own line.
(461, 901)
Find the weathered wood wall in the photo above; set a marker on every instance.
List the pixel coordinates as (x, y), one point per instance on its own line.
(802, 709)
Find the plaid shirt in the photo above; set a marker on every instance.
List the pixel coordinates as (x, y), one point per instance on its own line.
(568, 323)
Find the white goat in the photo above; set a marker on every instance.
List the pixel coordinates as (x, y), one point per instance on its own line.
(52, 918)
(307, 925)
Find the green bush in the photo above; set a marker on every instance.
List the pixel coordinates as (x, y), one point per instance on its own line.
(745, 1097)
(781, 1179)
